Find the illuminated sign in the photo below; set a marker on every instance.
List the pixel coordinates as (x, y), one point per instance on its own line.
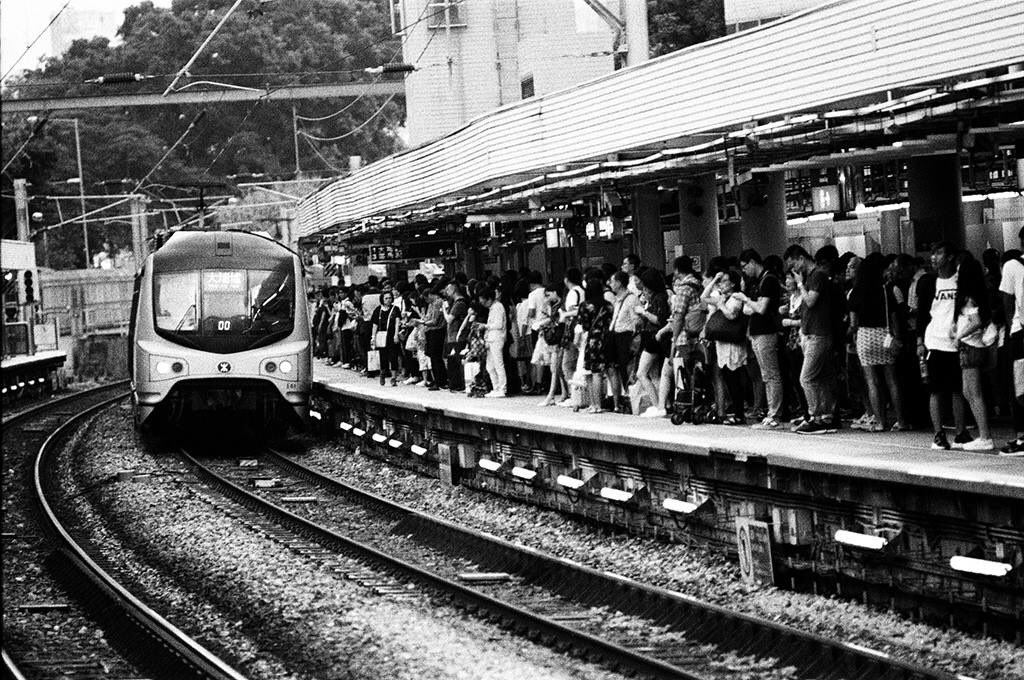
(825, 199)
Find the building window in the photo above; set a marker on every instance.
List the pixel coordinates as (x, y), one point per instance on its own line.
(397, 17)
(526, 87)
(445, 14)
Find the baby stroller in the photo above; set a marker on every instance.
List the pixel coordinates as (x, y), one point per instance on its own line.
(694, 400)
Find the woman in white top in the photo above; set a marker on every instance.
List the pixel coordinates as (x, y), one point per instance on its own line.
(497, 327)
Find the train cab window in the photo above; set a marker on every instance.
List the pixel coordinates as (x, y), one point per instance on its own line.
(226, 310)
(177, 301)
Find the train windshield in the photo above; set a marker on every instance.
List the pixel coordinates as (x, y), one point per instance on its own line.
(225, 310)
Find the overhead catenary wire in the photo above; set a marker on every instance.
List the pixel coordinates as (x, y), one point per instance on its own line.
(353, 130)
(35, 40)
(170, 150)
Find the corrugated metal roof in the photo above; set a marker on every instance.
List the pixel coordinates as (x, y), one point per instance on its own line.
(810, 61)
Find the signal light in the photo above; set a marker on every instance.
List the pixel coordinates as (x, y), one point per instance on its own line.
(286, 366)
(270, 366)
(30, 291)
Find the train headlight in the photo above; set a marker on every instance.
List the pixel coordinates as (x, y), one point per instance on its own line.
(162, 368)
(283, 367)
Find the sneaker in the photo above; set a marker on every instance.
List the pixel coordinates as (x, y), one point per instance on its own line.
(814, 427)
(653, 412)
(979, 445)
(940, 443)
(1014, 447)
(862, 423)
(795, 423)
(962, 439)
(495, 394)
(565, 403)
(768, 423)
(871, 425)
(412, 380)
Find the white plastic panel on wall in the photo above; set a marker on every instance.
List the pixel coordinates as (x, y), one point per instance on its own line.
(807, 62)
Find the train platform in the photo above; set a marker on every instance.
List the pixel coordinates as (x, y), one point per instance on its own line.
(30, 373)
(903, 457)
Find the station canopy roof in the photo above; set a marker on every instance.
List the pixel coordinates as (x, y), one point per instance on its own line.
(848, 81)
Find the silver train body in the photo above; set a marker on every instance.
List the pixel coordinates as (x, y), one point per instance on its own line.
(220, 327)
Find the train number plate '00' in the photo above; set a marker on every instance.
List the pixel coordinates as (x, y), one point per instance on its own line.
(223, 367)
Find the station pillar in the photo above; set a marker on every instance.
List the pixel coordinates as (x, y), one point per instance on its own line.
(934, 191)
(762, 203)
(698, 219)
(647, 226)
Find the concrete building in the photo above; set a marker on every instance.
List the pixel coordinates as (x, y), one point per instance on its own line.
(474, 57)
(74, 24)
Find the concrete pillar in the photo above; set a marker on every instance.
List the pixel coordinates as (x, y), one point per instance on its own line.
(647, 226)
(140, 232)
(698, 219)
(935, 206)
(21, 208)
(762, 204)
(634, 14)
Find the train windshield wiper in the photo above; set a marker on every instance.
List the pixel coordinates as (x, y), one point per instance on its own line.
(184, 317)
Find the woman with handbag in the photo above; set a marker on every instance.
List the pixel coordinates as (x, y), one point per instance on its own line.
(975, 336)
(653, 313)
(877, 333)
(549, 344)
(384, 336)
(727, 327)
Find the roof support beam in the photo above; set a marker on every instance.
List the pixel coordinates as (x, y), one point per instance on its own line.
(287, 93)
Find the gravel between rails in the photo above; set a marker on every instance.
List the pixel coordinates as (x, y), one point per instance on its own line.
(689, 570)
(292, 616)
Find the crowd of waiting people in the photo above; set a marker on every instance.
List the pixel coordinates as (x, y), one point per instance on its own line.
(795, 341)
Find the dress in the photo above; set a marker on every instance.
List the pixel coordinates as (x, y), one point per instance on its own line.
(596, 320)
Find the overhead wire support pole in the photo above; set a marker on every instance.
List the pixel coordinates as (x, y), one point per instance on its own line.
(295, 139)
(188, 65)
(81, 194)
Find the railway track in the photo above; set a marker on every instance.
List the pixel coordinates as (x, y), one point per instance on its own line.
(61, 587)
(628, 625)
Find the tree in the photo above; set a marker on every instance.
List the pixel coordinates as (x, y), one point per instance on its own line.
(296, 42)
(673, 24)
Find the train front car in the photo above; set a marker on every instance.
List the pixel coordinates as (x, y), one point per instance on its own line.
(220, 328)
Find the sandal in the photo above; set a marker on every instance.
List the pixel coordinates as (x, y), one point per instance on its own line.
(900, 427)
(732, 420)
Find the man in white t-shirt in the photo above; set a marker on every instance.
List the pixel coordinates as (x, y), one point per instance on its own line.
(536, 317)
(1011, 285)
(937, 346)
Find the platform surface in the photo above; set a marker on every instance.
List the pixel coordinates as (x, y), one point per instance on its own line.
(903, 457)
(33, 359)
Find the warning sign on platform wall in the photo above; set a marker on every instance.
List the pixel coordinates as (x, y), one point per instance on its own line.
(754, 542)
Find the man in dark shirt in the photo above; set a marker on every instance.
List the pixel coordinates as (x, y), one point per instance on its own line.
(761, 304)
(814, 285)
(455, 308)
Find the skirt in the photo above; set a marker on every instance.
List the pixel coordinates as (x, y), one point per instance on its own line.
(871, 349)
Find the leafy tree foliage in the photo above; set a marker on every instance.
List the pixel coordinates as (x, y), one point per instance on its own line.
(291, 42)
(675, 24)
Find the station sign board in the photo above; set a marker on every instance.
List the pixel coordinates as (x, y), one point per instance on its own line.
(754, 542)
(417, 250)
(825, 199)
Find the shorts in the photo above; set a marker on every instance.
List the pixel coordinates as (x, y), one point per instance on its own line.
(542, 352)
(944, 373)
(977, 357)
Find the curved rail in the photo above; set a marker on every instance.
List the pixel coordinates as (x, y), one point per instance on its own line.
(185, 650)
(516, 617)
(817, 656)
(11, 669)
(37, 408)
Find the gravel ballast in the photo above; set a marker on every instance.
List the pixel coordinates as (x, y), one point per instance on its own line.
(293, 617)
(689, 570)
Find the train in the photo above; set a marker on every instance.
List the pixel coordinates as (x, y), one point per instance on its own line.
(219, 332)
